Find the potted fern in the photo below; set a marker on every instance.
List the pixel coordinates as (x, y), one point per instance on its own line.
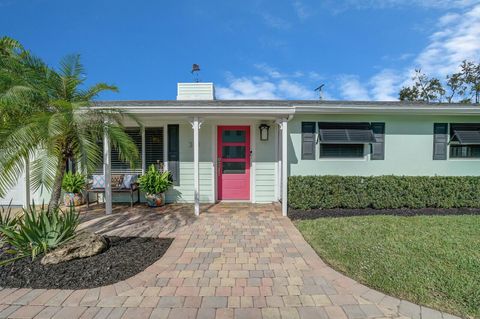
(155, 183)
(73, 184)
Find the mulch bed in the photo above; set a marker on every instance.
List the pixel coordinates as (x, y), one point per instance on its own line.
(126, 257)
(344, 212)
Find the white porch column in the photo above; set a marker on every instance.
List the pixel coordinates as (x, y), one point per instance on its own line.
(196, 170)
(28, 201)
(284, 166)
(107, 172)
(143, 152)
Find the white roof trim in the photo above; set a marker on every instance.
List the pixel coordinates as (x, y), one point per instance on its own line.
(298, 109)
(376, 109)
(212, 110)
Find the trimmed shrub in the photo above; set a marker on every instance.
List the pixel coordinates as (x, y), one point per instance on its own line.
(383, 192)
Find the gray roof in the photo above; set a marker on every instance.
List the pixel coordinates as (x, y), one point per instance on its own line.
(206, 103)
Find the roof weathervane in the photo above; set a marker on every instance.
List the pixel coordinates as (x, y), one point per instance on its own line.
(319, 90)
(195, 72)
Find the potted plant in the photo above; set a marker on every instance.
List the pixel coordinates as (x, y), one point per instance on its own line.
(155, 183)
(73, 184)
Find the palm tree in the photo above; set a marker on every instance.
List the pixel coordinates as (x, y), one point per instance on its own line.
(47, 116)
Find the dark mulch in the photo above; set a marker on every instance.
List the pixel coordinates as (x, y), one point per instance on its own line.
(126, 257)
(344, 212)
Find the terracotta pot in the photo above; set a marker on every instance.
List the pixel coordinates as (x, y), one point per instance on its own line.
(75, 199)
(155, 200)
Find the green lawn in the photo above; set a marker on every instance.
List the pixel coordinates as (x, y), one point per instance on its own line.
(429, 260)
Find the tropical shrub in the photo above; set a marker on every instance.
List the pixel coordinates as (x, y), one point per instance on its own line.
(73, 182)
(154, 181)
(383, 192)
(7, 219)
(38, 231)
(49, 112)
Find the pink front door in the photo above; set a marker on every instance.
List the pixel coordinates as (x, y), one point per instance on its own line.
(233, 162)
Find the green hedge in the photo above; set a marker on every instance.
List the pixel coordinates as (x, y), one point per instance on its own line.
(383, 192)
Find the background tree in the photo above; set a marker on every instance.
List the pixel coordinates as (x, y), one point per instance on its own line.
(47, 115)
(424, 89)
(471, 78)
(461, 87)
(456, 86)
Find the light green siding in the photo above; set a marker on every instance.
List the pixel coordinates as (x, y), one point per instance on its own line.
(265, 182)
(408, 149)
(185, 191)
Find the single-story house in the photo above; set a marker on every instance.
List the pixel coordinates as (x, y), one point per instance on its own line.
(242, 150)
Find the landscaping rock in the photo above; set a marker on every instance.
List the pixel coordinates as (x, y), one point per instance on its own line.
(83, 245)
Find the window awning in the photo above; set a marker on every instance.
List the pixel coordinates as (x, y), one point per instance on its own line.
(465, 133)
(466, 137)
(345, 133)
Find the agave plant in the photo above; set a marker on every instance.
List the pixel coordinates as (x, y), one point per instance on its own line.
(7, 219)
(38, 231)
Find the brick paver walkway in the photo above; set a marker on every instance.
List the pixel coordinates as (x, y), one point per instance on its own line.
(234, 261)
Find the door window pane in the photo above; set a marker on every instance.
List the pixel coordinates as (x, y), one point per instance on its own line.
(233, 136)
(233, 168)
(233, 151)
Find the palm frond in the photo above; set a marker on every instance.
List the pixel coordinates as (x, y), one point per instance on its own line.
(123, 143)
(43, 170)
(94, 91)
(9, 46)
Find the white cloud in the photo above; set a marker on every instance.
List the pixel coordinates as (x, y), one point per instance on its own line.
(248, 88)
(270, 71)
(272, 85)
(457, 39)
(294, 90)
(384, 86)
(275, 22)
(263, 88)
(352, 89)
(383, 4)
(301, 10)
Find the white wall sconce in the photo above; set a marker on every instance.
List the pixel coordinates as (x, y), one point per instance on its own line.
(264, 132)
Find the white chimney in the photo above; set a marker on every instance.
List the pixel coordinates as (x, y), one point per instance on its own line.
(195, 91)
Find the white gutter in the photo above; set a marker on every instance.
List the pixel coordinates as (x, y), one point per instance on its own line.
(213, 110)
(280, 111)
(369, 109)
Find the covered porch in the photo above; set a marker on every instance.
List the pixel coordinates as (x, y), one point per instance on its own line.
(193, 146)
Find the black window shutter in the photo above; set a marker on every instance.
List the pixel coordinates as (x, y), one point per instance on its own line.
(174, 153)
(308, 140)
(440, 141)
(378, 147)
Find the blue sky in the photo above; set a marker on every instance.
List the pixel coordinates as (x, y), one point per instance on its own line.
(360, 50)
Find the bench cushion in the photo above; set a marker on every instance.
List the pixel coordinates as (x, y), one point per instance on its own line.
(128, 180)
(98, 181)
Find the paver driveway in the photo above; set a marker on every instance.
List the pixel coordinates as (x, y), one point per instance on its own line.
(234, 261)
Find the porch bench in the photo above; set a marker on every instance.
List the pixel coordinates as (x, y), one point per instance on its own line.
(117, 187)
